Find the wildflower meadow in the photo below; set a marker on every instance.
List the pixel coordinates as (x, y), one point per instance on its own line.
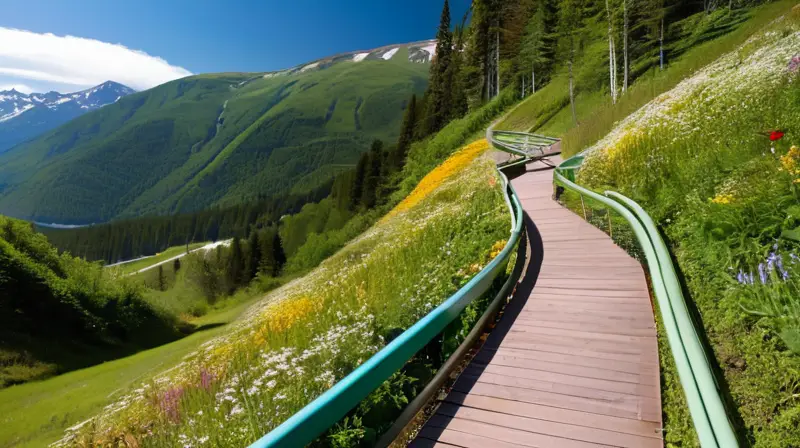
(715, 162)
(304, 337)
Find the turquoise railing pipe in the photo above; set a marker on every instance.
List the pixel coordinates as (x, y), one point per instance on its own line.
(701, 368)
(704, 400)
(693, 398)
(327, 409)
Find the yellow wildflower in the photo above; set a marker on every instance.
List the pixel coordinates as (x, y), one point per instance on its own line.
(497, 248)
(790, 162)
(723, 199)
(435, 178)
(283, 315)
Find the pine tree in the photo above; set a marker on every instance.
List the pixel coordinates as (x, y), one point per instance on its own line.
(278, 254)
(439, 101)
(235, 269)
(268, 264)
(358, 181)
(406, 134)
(253, 256)
(533, 54)
(372, 178)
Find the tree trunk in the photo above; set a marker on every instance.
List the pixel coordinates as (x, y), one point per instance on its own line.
(661, 45)
(625, 46)
(611, 58)
(533, 80)
(497, 56)
(523, 87)
(571, 89)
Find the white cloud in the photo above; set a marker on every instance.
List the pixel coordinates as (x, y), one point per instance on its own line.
(18, 87)
(80, 62)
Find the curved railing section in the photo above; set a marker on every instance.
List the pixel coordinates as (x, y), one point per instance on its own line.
(330, 407)
(703, 396)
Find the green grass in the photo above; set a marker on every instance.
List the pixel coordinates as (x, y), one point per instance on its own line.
(703, 39)
(726, 199)
(339, 314)
(134, 266)
(36, 414)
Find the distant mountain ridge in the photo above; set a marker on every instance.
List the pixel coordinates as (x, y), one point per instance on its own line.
(25, 116)
(215, 139)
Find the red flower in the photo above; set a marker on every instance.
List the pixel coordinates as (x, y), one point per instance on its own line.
(775, 135)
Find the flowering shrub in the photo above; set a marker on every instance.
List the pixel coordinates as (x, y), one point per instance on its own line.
(304, 337)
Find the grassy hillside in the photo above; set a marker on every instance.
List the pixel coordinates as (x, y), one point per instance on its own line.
(429, 234)
(210, 139)
(60, 313)
(696, 41)
(716, 162)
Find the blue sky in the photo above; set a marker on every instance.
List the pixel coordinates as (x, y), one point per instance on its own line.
(197, 36)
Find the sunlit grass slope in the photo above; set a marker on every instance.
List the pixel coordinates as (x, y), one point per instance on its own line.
(715, 162)
(307, 335)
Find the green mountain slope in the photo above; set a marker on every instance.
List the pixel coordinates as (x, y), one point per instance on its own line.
(212, 139)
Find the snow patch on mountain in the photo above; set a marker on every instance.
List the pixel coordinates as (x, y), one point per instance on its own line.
(390, 54)
(17, 111)
(358, 57)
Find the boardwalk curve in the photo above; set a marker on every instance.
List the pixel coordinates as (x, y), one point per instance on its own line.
(574, 360)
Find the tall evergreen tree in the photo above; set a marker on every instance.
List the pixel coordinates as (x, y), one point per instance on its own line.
(372, 178)
(253, 256)
(358, 181)
(278, 254)
(533, 53)
(266, 240)
(439, 101)
(406, 133)
(235, 269)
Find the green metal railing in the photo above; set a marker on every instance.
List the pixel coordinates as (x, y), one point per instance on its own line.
(522, 144)
(702, 392)
(329, 408)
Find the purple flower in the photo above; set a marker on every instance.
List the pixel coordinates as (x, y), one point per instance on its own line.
(762, 273)
(169, 401)
(744, 278)
(794, 64)
(206, 379)
(794, 257)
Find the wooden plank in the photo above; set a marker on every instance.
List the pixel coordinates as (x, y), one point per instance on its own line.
(638, 377)
(421, 442)
(642, 341)
(505, 434)
(462, 439)
(487, 354)
(594, 406)
(563, 430)
(613, 317)
(600, 348)
(596, 325)
(556, 305)
(626, 402)
(632, 389)
(576, 350)
(547, 413)
(567, 290)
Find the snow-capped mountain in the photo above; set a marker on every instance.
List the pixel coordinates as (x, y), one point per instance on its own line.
(24, 116)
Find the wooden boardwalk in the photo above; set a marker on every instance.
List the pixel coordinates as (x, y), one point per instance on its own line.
(574, 360)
